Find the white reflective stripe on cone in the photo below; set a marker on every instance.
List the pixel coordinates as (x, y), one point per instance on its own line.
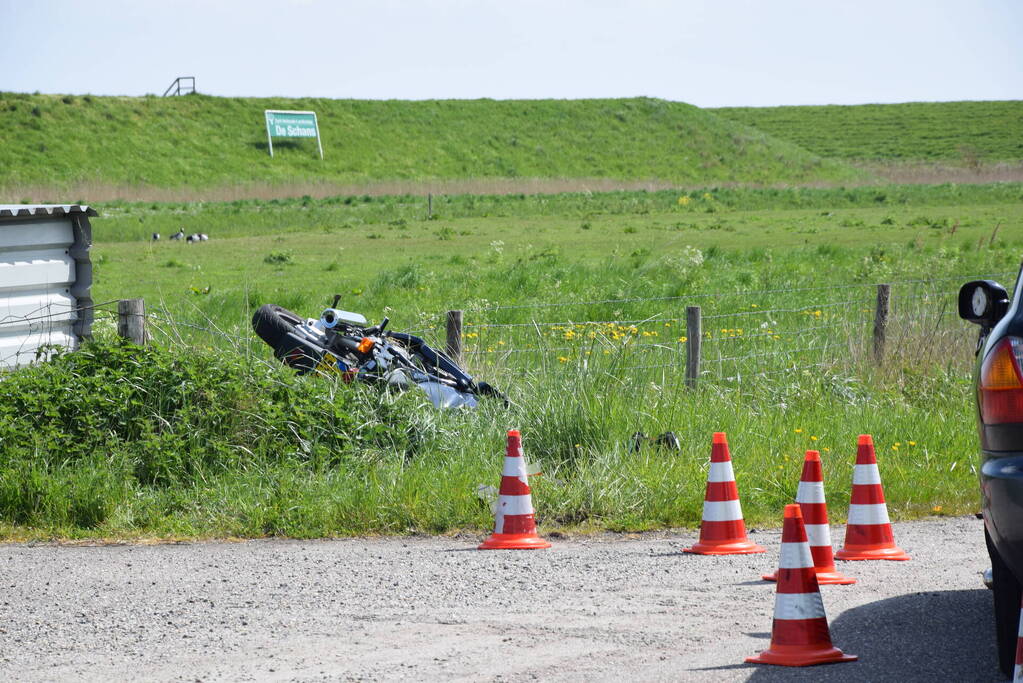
(721, 471)
(514, 467)
(515, 505)
(868, 514)
(795, 556)
(818, 534)
(798, 606)
(810, 492)
(866, 474)
(721, 510)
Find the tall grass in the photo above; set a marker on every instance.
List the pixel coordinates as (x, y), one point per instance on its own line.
(122, 441)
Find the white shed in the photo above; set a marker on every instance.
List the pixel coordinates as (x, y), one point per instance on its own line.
(45, 276)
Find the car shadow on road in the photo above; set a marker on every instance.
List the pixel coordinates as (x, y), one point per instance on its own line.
(945, 635)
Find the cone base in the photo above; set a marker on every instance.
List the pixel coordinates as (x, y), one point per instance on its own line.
(737, 547)
(828, 578)
(791, 655)
(867, 553)
(514, 542)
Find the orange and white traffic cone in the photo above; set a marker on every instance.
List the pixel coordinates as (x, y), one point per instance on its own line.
(810, 496)
(722, 530)
(868, 533)
(514, 521)
(799, 633)
(1017, 671)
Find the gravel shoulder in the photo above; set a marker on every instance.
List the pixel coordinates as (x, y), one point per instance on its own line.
(433, 608)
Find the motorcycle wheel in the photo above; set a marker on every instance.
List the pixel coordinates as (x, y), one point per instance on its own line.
(276, 326)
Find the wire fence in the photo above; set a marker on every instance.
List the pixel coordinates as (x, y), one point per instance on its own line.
(744, 336)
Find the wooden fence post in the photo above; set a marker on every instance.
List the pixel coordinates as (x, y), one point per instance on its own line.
(131, 320)
(884, 294)
(694, 337)
(453, 349)
(429, 205)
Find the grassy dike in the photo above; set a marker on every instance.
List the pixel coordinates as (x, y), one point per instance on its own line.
(967, 133)
(61, 142)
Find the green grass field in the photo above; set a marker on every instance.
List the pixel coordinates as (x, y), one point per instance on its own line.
(968, 133)
(64, 142)
(203, 434)
(574, 304)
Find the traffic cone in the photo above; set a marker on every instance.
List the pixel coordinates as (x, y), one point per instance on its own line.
(722, 531)
(514, 521)
(1017, 671)
(799, 633)
(868, 533)
(810, 496)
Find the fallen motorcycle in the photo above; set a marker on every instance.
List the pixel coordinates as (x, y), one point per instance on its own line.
(340, 342)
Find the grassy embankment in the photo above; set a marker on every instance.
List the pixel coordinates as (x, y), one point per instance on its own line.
(219, 441)
(52, 145)
(907, 140)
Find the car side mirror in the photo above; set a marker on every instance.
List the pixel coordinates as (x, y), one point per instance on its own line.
(983, 302)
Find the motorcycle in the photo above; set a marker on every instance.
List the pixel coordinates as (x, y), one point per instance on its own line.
(340, 342)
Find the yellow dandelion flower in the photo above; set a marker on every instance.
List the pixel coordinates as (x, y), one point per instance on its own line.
(683, 339)
(826, 450)
(562, 359)
(911, 443)
(813, 438)
(895, 448)
(799, 431)
(754, 306)
(936, 509)
(684, 200)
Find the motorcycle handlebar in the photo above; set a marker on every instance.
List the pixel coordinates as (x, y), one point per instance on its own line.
(376, 329)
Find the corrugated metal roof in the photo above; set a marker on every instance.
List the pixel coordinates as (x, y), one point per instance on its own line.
(16, 210)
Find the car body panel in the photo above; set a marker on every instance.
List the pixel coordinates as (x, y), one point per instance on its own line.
(1001, 485)
(1001, 472)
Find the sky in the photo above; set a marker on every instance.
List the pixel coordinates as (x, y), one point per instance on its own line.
(705, 52)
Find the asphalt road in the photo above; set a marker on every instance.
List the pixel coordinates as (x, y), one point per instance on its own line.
(606, 607)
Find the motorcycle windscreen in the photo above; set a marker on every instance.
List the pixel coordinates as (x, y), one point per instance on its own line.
(443, 396)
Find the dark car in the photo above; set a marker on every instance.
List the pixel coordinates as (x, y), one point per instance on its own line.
(999, 385)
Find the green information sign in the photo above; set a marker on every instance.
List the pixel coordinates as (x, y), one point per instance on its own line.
(291, 124)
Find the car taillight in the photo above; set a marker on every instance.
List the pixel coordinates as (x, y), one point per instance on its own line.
(1001, 383)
